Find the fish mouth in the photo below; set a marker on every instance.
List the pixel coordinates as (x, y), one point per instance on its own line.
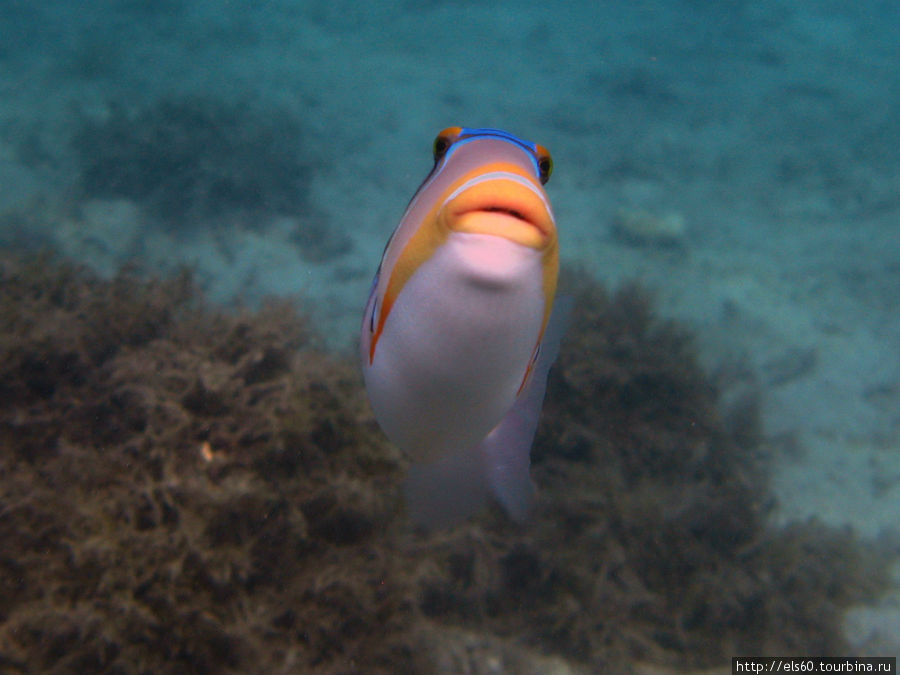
(505, 210)
(503, 207)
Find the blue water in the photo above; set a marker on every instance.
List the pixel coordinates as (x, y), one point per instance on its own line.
(764, 135)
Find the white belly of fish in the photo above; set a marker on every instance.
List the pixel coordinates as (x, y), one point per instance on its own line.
(456, 345)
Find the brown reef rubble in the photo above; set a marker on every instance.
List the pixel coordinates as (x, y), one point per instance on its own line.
(184, 489)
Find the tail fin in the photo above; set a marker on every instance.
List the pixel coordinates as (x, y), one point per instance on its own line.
(446, 492)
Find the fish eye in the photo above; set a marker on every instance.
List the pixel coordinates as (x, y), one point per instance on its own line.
(545, 163)
(441, 144)
(444, 140)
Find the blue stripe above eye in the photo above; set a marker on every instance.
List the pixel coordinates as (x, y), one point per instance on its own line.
(472, 134)
(499, 133)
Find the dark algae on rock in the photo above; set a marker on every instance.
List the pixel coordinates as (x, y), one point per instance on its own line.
(184, 489)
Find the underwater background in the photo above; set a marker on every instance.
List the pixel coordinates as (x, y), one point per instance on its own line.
(193, 199)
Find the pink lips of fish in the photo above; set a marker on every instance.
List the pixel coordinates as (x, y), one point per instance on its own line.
(457, 337)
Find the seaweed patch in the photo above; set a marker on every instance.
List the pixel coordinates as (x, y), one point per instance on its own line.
(184, 489)
(651, 542)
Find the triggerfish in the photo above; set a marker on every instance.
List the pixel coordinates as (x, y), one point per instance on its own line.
(459, 331)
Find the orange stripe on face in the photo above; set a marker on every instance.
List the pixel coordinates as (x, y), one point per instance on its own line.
(424, 242)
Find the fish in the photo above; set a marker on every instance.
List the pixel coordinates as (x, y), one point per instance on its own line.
(459, 331)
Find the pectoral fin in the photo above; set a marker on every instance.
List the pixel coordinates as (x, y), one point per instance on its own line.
(507, 449)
